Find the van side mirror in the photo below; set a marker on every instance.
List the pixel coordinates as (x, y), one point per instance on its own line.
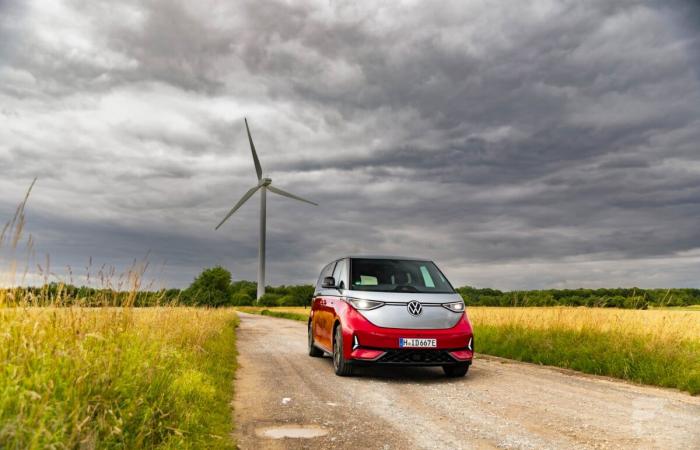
(328, 283)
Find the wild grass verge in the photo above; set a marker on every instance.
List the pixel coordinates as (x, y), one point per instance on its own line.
(293, 313)
(656, 347)
(75, 377)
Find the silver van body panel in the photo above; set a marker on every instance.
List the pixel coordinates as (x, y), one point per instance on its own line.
(394, 314)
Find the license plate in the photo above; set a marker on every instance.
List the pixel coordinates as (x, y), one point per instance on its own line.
(417, 343)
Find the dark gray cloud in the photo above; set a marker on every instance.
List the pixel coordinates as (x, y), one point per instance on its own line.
(519, 145)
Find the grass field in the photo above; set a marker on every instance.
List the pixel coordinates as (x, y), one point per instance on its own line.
(657, 347)
(116, 377)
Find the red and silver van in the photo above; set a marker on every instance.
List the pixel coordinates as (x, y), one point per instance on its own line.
(389, 310)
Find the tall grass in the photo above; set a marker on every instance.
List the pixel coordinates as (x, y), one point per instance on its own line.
(116, 377)
(10, 238)
(652, 347)
(109, 377)
(657, 347)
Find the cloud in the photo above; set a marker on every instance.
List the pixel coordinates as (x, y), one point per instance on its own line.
(520, 145)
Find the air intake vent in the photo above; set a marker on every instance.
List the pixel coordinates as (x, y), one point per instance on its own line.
(416, 357)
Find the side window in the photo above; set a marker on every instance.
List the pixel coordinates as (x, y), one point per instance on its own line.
(326, 272)
(340, 274)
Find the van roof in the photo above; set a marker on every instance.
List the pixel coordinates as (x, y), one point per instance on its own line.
(385, 257)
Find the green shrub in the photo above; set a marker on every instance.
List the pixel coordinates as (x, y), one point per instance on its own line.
(242, 299)
(269, 299)
(210, 288)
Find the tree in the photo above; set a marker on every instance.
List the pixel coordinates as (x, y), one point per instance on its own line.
(241, 298)
(269, 299)
(210, 288)
(247, 288)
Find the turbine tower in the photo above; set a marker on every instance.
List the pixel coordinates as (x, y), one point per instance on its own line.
(264, 184)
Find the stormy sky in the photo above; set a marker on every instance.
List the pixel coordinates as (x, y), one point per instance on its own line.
(518, 144)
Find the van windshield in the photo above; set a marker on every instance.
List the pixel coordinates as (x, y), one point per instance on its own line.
(395, 275)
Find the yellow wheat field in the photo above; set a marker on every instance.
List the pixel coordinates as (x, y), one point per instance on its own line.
(668, 324)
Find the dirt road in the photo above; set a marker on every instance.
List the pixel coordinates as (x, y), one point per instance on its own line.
(500, 404)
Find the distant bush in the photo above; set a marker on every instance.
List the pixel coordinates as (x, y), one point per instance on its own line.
(249, 288)
(242, 299)
(269, 299)
(211, 288)
(299, 295)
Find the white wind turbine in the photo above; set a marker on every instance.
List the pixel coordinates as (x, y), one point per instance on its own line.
(264, 184)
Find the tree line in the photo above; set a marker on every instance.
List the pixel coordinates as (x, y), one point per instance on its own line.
(214, 287)
(630, 298)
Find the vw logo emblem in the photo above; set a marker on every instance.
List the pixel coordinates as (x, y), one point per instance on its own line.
(415, 308)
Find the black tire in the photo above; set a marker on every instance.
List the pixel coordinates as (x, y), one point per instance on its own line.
(456, 370)
(314, 351)
(341, 366)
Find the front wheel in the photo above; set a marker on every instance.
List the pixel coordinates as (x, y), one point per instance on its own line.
(342, 366)
(314, 351)
(456, 370)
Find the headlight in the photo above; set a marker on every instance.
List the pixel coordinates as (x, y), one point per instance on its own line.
(362, 304)
(454, 306)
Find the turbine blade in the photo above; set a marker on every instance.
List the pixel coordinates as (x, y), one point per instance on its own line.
(287, 194)
(258, 168)
(243, 199)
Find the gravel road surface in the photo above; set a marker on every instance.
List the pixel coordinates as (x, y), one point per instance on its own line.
(280, 391)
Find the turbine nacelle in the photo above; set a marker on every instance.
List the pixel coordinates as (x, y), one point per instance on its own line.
(265, 182)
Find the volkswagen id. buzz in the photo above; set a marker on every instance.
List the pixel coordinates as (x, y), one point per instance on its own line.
(391, 311)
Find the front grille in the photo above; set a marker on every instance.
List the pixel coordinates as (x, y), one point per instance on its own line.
(417, 357)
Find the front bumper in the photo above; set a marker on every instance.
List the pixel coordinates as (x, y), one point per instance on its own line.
(366, 343)
(412, 357)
